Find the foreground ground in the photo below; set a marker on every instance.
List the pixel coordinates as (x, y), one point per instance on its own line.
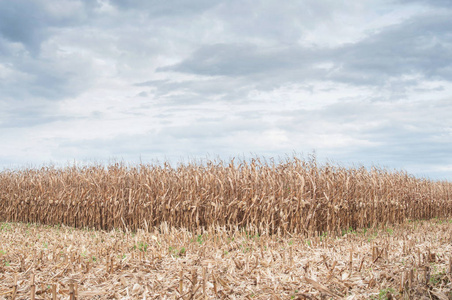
(408, 261)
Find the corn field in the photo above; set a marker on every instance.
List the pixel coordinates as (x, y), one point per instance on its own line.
(293, 196)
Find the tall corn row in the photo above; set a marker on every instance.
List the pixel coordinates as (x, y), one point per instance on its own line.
(292, 196)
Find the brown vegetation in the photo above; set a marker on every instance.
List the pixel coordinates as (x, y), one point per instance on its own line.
(408, 261)
(294, 196)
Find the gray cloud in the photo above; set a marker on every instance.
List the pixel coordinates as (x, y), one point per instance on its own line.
(28, 117)
(22, 22)
(50, 79)
(361, 82)
(171, 8)
(244, 59)
(440, 3)
(399, 135)
(421, 45)
(35, 65)
(30, 22)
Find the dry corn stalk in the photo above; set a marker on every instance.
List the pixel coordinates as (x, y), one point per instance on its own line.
(293, 196)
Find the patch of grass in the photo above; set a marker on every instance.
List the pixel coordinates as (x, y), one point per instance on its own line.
(437, 277)
(294, 295)
(373, 236)
(384, 294)
(5, 226)
(199, 239)
(143, 247)
(349, 230)
(174, 252)
(245, 248)
(251, 236)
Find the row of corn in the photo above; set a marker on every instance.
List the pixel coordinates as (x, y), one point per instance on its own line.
(292, 196)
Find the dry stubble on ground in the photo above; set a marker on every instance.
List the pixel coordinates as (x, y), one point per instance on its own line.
(409, 261)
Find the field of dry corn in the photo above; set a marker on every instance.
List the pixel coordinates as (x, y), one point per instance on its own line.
(215, 230)
(405, 261)
(293, 196)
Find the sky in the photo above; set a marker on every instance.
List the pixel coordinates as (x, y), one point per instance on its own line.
(355, 82)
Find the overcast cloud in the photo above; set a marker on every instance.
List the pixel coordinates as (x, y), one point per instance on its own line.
(365, 82)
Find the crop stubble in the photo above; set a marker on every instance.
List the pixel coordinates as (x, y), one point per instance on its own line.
(407, 261)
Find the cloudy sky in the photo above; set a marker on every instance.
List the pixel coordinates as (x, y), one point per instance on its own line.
(365, 82)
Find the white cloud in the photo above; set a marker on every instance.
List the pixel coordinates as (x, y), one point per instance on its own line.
(362, 82)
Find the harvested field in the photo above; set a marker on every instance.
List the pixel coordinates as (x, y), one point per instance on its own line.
(407, 261)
